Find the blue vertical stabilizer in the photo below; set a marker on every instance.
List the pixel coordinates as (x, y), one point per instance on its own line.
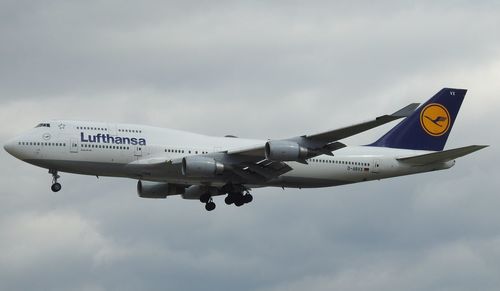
(429, 126)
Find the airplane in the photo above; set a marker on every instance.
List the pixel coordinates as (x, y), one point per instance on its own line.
(170, 162)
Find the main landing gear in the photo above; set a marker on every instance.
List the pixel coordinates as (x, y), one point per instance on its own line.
(236, 198)
(56, 187)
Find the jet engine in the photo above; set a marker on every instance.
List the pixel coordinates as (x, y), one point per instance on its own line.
(283, 150)
(158, 189)
(196, 166)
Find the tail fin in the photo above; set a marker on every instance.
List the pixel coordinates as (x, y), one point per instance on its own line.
(429, 126)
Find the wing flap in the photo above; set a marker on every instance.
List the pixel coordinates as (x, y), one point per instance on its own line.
(264, 170)
(442, 156)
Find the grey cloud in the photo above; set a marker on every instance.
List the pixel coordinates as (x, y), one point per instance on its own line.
(270, 50)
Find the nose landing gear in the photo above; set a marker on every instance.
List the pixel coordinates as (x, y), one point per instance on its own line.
(56, 187)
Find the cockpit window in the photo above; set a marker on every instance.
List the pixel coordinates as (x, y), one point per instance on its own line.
(43, 125)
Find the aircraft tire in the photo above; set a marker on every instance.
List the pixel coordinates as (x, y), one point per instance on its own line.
(56, 187)
(248, 198)
(210, 206)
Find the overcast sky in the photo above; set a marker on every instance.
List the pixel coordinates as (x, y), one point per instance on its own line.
(259, 69)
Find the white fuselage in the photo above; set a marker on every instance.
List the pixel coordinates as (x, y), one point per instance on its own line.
(108, 149)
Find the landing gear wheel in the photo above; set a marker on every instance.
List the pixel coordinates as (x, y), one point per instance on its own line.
(239, 201)
(248, 198)
(210, 206)
(228, 200)
(56, 187)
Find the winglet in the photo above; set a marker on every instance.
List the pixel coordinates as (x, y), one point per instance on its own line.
(406, 111)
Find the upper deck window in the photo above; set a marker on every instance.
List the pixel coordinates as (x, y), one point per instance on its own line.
(43, 125)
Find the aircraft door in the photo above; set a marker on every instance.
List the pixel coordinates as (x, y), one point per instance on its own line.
(138, 151)
(112, 129)
(38, 148)
(375, 166)
(73, 145)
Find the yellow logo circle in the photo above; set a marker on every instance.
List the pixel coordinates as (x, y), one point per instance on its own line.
(435, 119)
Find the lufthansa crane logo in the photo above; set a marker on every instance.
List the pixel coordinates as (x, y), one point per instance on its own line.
(435, 119)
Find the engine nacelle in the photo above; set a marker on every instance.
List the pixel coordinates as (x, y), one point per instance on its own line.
(158, 189)
(283, 150)
(196, 166)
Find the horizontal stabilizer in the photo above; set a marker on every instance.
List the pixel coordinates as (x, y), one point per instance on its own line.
(441, 157)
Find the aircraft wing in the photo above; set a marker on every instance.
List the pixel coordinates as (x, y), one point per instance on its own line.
(341, 133)
(326, 142)
(250, 151)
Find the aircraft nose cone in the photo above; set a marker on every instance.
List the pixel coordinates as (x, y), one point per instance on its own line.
(10, 147)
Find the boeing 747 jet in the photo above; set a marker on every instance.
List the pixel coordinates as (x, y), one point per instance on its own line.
(170, 162)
